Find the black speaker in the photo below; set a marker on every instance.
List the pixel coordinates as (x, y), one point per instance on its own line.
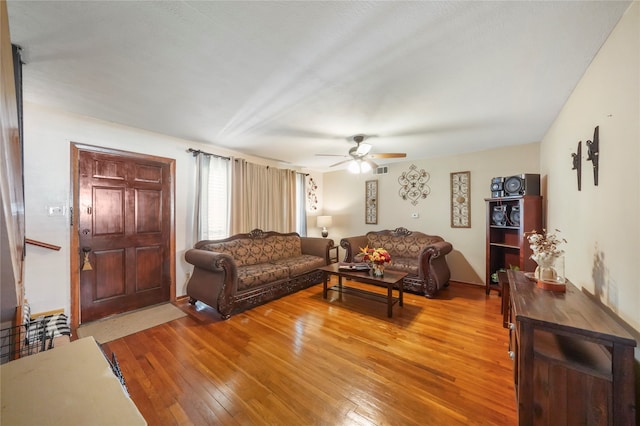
(524, 184)
(497, 186)
(499, 215)
(514, 216)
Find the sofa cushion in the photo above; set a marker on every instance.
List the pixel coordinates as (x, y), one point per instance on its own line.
(282, 247)
(254, 251)
(401, 246)
(300, 265)
(240, 250)
(404, 264)
(254, 275)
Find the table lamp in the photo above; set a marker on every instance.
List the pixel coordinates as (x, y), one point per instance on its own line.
(323, 222)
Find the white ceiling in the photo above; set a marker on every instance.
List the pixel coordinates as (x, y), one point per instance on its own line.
(288, 80)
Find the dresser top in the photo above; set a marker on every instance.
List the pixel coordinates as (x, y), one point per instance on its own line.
(572, 312)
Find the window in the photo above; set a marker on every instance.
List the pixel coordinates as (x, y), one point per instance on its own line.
(266, 198)
(218, 196)
(212, 197)
(301, 210)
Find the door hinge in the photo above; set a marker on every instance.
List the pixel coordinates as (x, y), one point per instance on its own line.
(71, 216)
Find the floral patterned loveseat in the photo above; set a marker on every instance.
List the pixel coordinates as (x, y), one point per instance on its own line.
(245, 270)
(422, 256)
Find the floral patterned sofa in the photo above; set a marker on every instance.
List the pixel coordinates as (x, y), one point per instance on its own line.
(422, 256)
(245, 270)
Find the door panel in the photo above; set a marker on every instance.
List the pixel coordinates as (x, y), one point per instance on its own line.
(110, 274)
(146, 173)
(148, 268)
(125, 219)
(148, 211)
(107, 211)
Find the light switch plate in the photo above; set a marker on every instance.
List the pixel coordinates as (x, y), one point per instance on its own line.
(56, 210)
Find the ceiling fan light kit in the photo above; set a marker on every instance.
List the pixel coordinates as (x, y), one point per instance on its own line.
(359, 166)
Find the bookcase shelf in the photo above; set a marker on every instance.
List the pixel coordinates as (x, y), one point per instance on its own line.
(508, 219)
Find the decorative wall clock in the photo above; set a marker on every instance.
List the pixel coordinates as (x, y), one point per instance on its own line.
(461, 200)
(371, 202)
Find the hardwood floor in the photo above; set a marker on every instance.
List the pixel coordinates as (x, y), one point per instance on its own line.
(303, 360)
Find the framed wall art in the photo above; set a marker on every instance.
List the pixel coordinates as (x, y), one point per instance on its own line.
(371, 202)
(413, 184)
(461, 200)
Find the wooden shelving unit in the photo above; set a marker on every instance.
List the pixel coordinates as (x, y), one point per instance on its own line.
(507, 245)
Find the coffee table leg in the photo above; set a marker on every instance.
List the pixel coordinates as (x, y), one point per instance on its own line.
(324, 285)
(389, 300)
(401, 293)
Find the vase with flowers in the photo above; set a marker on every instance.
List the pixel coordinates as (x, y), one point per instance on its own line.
(377, 257)
(549, 257)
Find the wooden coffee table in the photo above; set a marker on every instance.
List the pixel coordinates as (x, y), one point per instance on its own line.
(390, 279)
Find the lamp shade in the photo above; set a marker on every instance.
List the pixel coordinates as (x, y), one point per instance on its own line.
(359, 166)
(324, 221)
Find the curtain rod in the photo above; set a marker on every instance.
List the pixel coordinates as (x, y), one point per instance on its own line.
(197, 151)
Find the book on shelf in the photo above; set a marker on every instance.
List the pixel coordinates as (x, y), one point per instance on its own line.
(353, 266)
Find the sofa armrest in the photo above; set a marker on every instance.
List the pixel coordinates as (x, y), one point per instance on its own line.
(352, 246)
(430, 253)
(214, 280)
(433, 267)
(438, 249)
(206, 259)
(316, 246)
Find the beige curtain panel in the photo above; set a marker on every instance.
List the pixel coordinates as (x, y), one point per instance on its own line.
(262, 197)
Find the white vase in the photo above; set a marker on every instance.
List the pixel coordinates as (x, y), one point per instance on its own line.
(377, 270)
(550, 268)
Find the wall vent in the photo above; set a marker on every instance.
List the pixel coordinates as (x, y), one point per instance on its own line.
(382, 170)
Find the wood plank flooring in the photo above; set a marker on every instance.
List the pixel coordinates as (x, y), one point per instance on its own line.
(303, 360)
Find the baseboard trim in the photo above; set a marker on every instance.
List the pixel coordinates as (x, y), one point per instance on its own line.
(479, 285)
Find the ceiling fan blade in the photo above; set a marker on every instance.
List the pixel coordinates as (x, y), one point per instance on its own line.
(388, 155)
(340, 162)
(363, 149)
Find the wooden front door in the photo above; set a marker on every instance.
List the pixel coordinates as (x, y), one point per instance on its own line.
(125, 231)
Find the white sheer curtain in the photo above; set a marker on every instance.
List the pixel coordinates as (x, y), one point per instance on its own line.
(301, 205)
(262, 197)
(212, 197)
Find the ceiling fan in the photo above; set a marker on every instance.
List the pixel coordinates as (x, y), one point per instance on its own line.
(361, 158)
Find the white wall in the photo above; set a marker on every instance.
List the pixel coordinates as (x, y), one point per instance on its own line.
(602, 223)
(344, 200)
(48, 137)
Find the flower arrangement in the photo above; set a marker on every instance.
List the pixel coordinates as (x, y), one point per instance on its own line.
(545, 244)
(548, 255)
(378, 256)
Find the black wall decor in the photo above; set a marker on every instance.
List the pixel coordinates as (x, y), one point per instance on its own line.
(577, 164)
(593, 154)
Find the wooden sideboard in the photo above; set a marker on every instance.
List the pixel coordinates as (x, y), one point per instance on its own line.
(573, 363)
